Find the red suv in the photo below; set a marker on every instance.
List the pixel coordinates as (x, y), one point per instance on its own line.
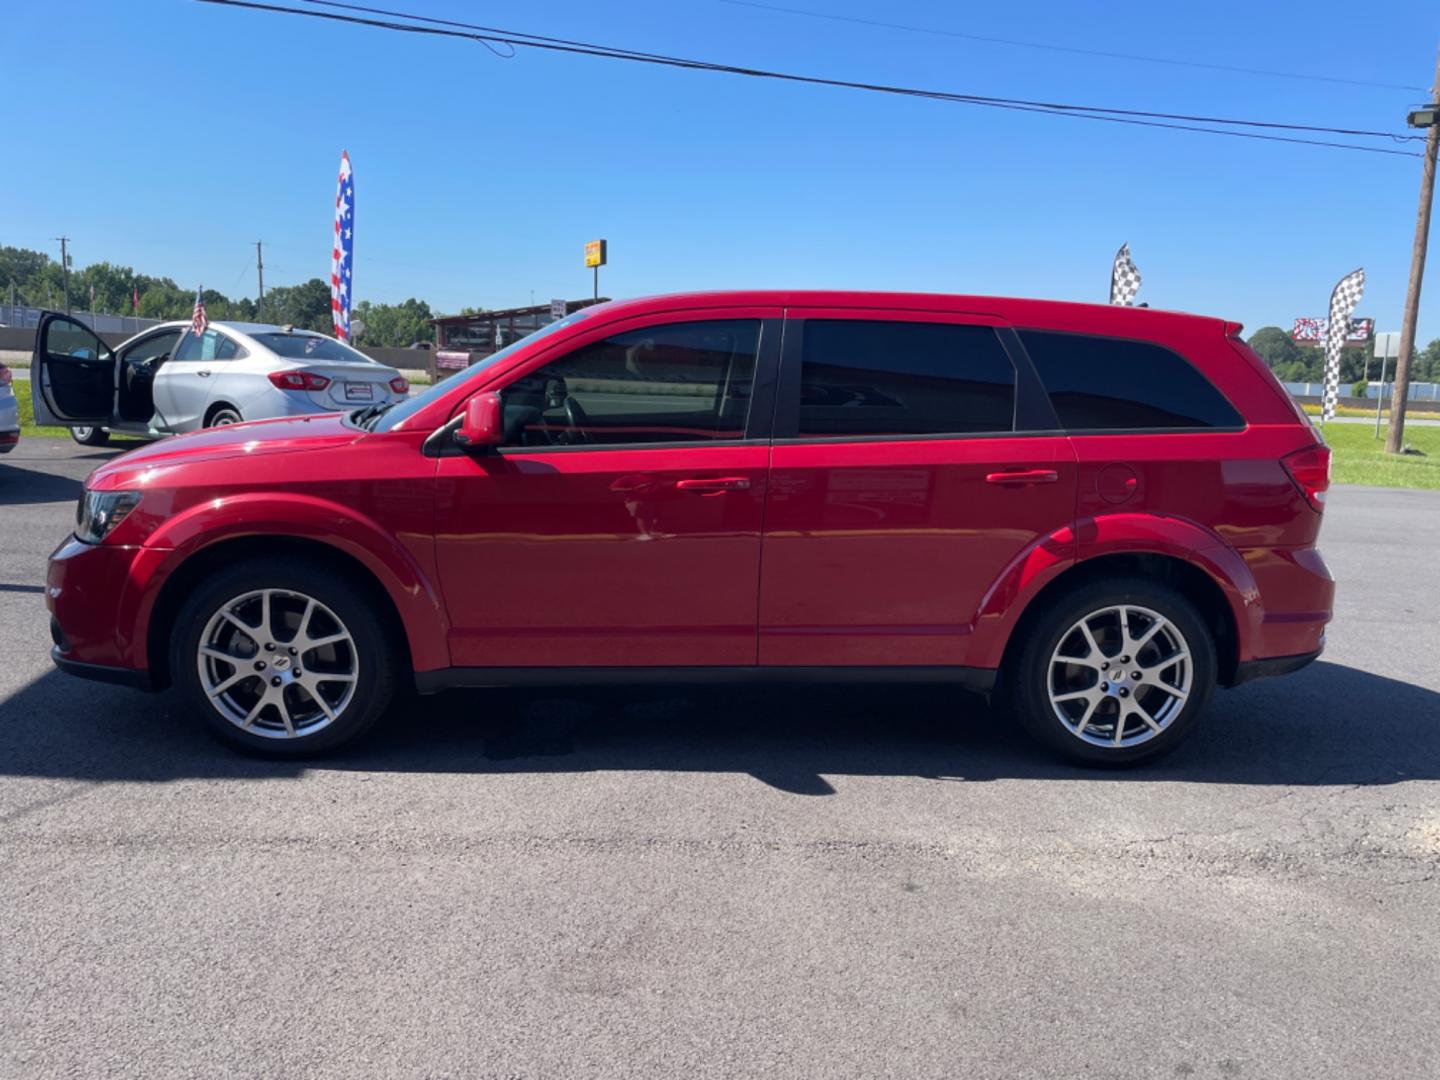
(1096, 513)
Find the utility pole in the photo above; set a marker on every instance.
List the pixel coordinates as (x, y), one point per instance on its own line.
(1427, 118)
(260, 273)
(65, 269)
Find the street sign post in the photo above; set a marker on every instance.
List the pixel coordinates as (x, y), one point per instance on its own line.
(1387, 347)
(557, 309)
(596, 255)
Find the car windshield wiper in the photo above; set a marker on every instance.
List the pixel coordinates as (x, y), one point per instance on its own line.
(368, 415)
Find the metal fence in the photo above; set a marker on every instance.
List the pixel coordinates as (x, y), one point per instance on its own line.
(1424, 391)
(27, 318)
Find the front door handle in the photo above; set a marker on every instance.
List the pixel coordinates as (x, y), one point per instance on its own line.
(714, 485)
(1023, 476)
(203, 374)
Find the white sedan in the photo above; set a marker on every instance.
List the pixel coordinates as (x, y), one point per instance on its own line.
(169, 380)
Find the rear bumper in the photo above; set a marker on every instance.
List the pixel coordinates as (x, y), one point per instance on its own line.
(1249, 670)
(1296, 597)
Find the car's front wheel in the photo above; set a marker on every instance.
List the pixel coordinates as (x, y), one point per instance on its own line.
(284, 661)
(90, 436)
(1115, 672)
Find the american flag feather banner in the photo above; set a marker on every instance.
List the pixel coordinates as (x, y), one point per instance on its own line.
(1343, 301)
(342, 253)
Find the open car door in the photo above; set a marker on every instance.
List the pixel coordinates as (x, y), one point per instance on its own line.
(72, 374)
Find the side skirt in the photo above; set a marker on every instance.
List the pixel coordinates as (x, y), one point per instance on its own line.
(977, 680)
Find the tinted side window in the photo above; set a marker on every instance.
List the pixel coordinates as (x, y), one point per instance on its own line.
(861, 377)
(675, 383)
(1100, 383)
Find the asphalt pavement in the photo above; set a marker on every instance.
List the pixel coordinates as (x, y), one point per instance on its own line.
(820, 882)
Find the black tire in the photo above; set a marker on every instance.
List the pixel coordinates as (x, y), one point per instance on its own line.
(1029, 678)
(90, 436)
(222, 415)
(378, 658)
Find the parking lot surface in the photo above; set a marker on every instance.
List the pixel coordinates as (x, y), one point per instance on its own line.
(814, 882)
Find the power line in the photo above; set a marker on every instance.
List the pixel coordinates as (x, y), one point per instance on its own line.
(620, 53)
(940, 32)
(1140, 118)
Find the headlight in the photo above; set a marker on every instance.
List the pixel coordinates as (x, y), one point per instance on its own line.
(100, 511)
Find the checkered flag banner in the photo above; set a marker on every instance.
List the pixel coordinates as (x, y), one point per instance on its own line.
(1124, 278)
(1343, 301)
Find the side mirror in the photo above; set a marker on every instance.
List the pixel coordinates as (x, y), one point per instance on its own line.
(481, 425)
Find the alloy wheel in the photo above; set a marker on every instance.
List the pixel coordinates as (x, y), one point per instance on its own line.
(277, 663)
(1120, 676)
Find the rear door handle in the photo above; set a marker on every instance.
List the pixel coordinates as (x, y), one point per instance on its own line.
(714, 485)
(203, 374)
(1023, 476)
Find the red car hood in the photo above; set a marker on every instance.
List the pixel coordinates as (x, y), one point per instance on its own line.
(284, 436)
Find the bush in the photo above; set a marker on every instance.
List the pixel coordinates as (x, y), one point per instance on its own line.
(1361, 388)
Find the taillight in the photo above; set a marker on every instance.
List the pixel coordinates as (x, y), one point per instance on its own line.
(399, 384)
(5, 375)
(1310, 469)
(299, 380)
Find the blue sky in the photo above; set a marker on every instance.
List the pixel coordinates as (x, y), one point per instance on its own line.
(170, 135)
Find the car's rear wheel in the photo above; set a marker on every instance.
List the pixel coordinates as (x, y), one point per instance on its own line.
(1114, 673)
(284, 661)
(90, 436)
(224, 414)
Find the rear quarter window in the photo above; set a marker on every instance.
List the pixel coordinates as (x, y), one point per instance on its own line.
(1115, 384)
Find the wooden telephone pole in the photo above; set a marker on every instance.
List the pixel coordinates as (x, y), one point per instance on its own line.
(1395, 438)
(260, 273)
(65, 268)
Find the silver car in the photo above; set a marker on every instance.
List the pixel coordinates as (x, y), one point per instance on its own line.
(9, 412)
(170, 380)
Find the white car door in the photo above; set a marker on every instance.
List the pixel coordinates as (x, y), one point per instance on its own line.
(72, 374)
(182, 385)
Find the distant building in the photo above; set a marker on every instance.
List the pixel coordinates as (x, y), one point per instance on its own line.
(461, 340)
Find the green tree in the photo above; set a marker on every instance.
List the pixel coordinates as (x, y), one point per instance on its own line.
(1427, 363)
(396, 325)
(306, 306)
(23, 269)
(1275, 347)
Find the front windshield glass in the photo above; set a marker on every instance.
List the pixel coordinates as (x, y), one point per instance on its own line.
(296, 346)
(396, 414)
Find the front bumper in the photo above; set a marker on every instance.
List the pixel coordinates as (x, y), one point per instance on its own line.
(136, 680)
(92, 591)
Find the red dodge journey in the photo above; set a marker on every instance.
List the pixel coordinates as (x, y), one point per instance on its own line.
(1095, 514)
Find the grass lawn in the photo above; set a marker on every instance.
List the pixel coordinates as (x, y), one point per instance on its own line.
(28, 428)
(1360, 458)
(27, 414)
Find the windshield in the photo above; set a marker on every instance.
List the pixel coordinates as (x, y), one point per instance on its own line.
(396, 414)
(298, 346)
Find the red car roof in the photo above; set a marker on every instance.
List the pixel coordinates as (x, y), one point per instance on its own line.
(1107, 318)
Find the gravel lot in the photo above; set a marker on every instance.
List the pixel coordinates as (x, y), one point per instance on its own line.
(822, 883)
